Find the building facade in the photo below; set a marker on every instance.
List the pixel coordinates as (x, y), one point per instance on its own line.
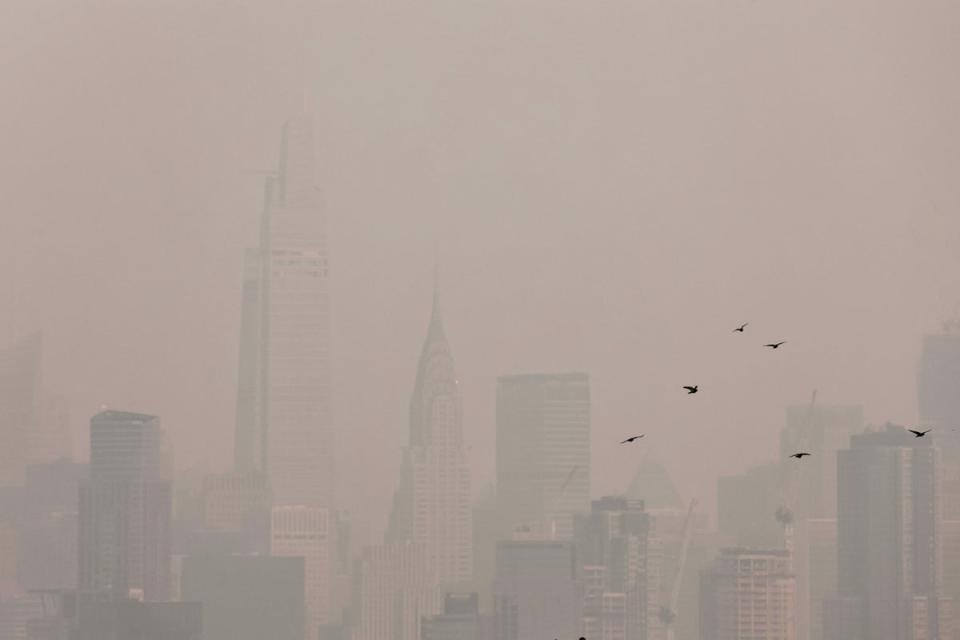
(889, 538)
(125, 509)
(748, 593)
(534, 592)
(311, 534)
(432, 504)
(619, 564)
(396, 589)
(247, 597)
(284, 423)
(543, 451)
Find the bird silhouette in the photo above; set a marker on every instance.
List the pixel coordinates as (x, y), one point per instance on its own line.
(741, 328)
(775, 345)
(799, 455)
(632, 438)
(692, 389)
(919, 434)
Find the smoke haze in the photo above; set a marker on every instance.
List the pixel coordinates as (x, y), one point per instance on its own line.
(609, 187)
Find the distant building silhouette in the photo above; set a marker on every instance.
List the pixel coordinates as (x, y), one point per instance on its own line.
(811, 491)
(396, 589)
(889, 541)
(746, 505)
(543, 451)
(135, 620)
(238, 503)
(460, 619)
(432, 504)
(47, 530)
(748, 593)
(938, 398)
(284, 424)
(125, 509)
(247, 597)
(938, 387)
(33, 425)
(619, 564)
(250, 445)
(309, 533)
(534, 593)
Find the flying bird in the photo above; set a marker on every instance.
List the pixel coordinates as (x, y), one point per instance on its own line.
(775, 345)
(799, 455)
(741, 328)
(692, 389)
(919, 434)
(632, 438)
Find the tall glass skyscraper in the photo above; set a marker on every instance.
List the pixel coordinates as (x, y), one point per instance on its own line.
(284, 424)
(125, 509)
(543, 451)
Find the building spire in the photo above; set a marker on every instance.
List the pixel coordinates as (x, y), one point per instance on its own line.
(436, 322)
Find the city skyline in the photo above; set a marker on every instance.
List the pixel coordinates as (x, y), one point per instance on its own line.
(590, 208)
(479, 321)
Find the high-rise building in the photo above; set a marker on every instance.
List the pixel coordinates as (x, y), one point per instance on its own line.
(821, 430)
(432, 505)
(250, 447)
(309, 533)
(811, 489)
(747, 505)
(47, 529)
(889, 541)
(125, 509)
(247, 597)
(619, 565)
(820, 568)
(534, 592)
(748, 593)
(33, 427)
(20, 406)
(8, 551)
(238, 503)
(135, 620)
(938, 386)
(16, 610)
(396, 590)
(284, 423)
(543, 451)
(460, 619)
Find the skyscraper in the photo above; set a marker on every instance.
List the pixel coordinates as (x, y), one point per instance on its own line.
(33, 426)
(125, 509)
(247, 597)
(309, 533)
(47, 531)
(396, 590)
(748, 593)
(746, 505)
(619, 565)
(432, 505)
(534, 593)
(249, 442)
(811, 489)
(543, 450)
(20, 405)
(822, 430)
(284, 424)
(460, 619)
(938, 386)
(889, 541)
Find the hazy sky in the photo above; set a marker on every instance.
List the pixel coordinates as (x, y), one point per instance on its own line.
(613, 186)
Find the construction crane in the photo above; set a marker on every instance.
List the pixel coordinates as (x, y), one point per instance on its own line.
(669, 614)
